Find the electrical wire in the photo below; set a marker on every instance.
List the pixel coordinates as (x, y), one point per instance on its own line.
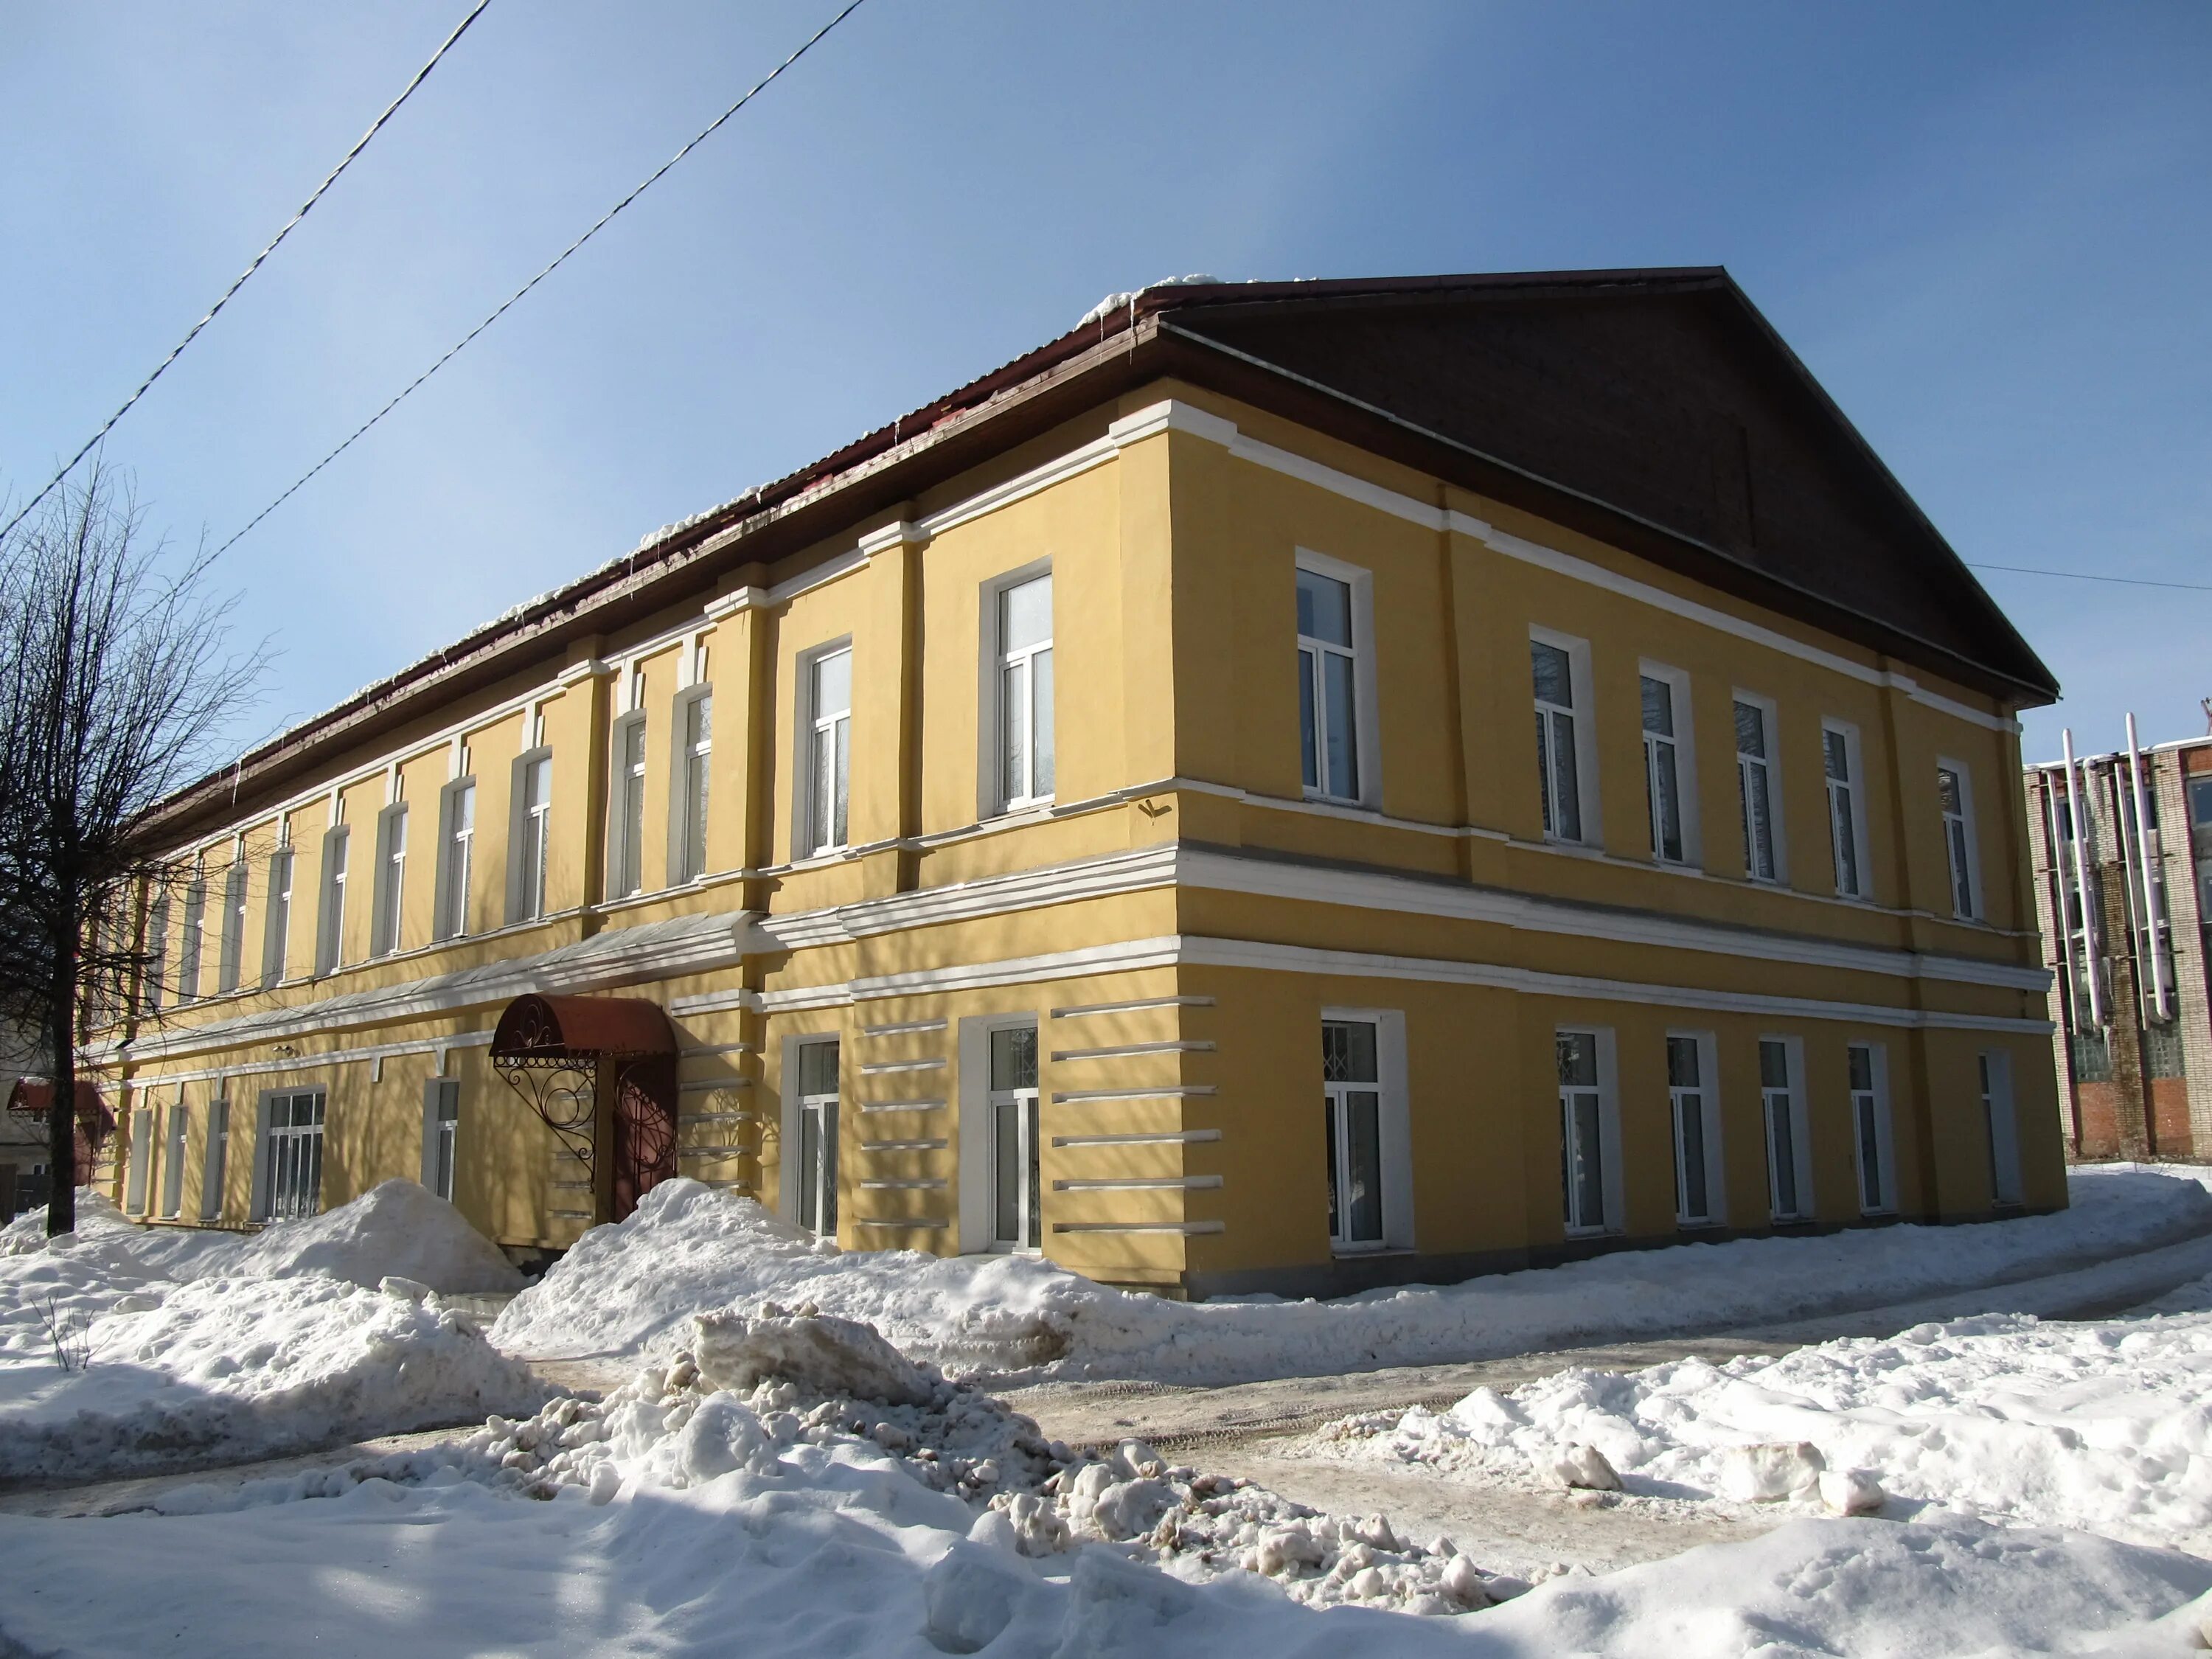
(344, 161)
(2084, 576)
(559, 260)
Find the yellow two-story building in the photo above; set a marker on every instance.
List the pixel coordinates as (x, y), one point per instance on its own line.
(1287, 787)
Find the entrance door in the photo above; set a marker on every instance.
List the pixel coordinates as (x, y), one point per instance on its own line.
(645, 1129)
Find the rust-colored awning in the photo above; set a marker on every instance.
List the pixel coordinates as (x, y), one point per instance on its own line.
(547, 1030)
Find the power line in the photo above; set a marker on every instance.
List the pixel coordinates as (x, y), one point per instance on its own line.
(2084, 576)
(191, 334)
(559, 260)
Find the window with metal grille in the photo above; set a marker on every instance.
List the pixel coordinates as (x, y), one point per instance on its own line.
(294, 1152)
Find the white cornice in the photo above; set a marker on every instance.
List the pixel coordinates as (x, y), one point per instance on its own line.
(887, 537)
(731, 603)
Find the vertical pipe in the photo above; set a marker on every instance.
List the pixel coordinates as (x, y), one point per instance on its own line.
(2082, 885)
(2160, 980)
(2068, 998)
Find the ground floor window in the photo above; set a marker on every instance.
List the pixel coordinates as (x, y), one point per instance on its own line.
(817, 1063)
(1784, 1131)
(173, 1168)
(1582, 1172)
(1690, 1094)
(1017, 1188)
(2003, 1128)
(442, 1124)
(142, 1141)
(214, 1159)
(1870, 1129)
(294, 1154)
(1351, 1098)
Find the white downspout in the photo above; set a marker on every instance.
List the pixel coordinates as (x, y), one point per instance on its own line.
(2162, 982)
(2061, 879)
(2081, 886)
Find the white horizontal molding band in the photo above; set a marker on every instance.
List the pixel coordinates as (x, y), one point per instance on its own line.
(901, 1106)
(1094, 1096)
(1090, 1010)
(1158, 1138)
(889, 1224)
(720, 1154)
(1303, 959)
(1139, 1183)
(1126, 1050)
(1214, 428)
(685, 1119)
(320, 1057)
(1119, 958)
(885, 1067)
(915, 1186)
(703, 1085)
(936, 1145)
(912, 1025)
(1187, 1228)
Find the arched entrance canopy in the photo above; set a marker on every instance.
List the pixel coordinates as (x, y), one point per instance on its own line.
(33, 1096)
(563, 1054)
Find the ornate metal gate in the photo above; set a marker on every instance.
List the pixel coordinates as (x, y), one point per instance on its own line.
(564, 1055)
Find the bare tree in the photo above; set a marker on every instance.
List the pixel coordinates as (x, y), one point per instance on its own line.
(117, 687)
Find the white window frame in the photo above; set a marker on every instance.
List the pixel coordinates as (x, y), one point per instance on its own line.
(157, 954)
(230, 970)
(1971, 876)
(1771, 726)
(288, 1161)
(1366, 717)
(138, 1168)
(1851, 815)
(2001, 1122)
(1685, 742)
(1707, 1091)
(215, 1157)
(329, 923)
(1582, 686)
(388, 903)
(690, 779)
(1394, 1125)
(814, 813)
(173, 1159)
(978, 1131)
(1789, 1101)
(1611, 1188)
(993, 715)
(529, 836)
(191, 955)
(625, 875)
(277, 923)
(1029, 1149)
(1870, 1107)
(826, 1110)
(456, 835)
(441, 1121)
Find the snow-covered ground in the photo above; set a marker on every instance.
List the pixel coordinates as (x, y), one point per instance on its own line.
(191, 1347)
(630, 1289)
(692, 1512)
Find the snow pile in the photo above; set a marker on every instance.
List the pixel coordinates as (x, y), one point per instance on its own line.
(233, 1370)
(2104, 1427)
(631, 1289)
(752, 1385)
(680, 1513)
(395, 1228)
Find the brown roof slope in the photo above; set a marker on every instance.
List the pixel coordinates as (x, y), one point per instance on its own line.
(1662, 396)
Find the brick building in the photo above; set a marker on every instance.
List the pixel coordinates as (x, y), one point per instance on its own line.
(2134, 1037)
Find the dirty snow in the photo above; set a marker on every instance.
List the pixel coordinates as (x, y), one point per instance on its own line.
(682, 1512)
(632, 1288)
(2103, 1426)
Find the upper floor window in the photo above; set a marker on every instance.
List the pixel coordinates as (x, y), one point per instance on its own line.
(1559, 671)
(532, 835)
(1026, 692)
(457, 813)
(389, 898)
(1755, 767)
(1956, 790)
(233, 927)
(157, 954)
(1664, 770)
(626, 870)
(1839, 755)
(277, 924)
(1329, 687)
(829, 734)
(330, 930)
(694, 759)
(188, 966)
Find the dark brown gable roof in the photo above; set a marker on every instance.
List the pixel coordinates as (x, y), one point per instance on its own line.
(1603, 400)
(1657, 410)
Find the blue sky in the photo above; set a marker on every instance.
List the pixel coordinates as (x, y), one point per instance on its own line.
(1985, 227)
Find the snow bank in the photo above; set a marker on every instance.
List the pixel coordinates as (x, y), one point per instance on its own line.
(395, 1228)
(680, 1514)
(230, 1370)
(2104, 1427)
(632, 1289)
